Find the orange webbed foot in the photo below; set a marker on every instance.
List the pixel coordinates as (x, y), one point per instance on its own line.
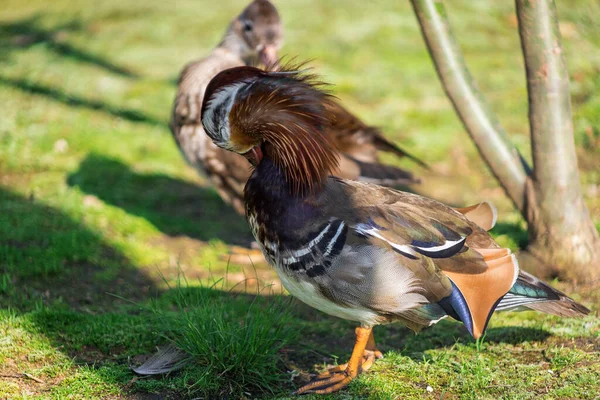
(363, 356)
(334, 382)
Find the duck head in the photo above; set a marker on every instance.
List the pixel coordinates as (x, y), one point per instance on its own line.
(256, 34)
(281, 115)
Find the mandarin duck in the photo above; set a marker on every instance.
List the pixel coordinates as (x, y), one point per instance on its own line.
(356, 250)
(256, 36)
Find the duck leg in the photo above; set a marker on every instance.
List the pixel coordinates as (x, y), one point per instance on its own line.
(370, 354)
(363, 357)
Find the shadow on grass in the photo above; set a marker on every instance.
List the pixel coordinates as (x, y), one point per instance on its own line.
(57, 277)
(22, 34)
(46, 256)
(108, 342)
(324, 336)
(75, 101)
(174, 206)
(105, 342)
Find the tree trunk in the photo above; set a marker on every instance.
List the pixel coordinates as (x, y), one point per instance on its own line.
(479, 120)
(563, 239)
(561, 233)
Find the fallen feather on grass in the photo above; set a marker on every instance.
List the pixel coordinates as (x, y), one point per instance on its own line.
(167, 359)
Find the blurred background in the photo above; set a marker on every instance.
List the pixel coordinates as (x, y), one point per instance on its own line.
(95, 197)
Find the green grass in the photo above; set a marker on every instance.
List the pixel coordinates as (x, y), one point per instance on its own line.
(233, 340)
(99, 214)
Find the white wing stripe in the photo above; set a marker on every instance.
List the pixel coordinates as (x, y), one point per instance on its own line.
(447, 244)
(334, 240)
(373, 232)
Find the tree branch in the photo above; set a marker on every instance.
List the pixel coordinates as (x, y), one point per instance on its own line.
(490, 138)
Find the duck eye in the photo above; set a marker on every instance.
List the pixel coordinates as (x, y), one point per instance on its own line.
(247, 25)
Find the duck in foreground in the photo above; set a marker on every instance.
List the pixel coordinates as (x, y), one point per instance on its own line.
(356, 250)
(255, 36)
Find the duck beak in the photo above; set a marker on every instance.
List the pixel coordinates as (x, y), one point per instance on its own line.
(268, 56)
(254, 155)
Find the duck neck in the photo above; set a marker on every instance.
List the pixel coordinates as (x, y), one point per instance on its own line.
(270, 199)
(269, 181)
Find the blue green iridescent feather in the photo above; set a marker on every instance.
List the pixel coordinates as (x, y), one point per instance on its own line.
(528, 292)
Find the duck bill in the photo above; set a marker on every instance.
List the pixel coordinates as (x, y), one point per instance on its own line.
(254, 155)
(268, 57)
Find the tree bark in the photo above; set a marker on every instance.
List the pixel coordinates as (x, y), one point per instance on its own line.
(561, 231)
(473, 109)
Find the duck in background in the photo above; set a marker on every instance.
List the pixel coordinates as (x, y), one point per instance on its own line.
(356, 250)
(255, 36)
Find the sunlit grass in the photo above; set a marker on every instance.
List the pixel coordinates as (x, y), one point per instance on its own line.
(97, 205)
